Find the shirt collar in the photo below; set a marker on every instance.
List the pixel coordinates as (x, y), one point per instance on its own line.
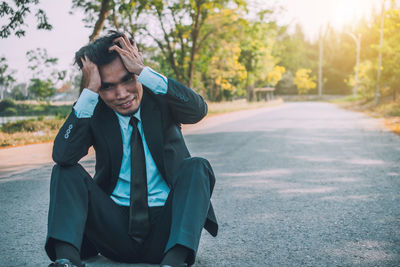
(124, 120)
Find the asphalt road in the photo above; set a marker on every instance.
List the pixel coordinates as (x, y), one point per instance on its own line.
(302, 184)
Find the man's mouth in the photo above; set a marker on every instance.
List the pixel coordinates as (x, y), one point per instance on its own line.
(128, 103)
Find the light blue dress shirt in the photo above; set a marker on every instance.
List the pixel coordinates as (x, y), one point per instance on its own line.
(157, 189)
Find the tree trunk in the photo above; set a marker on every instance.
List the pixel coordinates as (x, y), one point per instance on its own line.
(249, 88)
(104, 12)
(195, 35)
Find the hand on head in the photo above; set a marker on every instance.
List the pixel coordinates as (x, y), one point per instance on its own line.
(91, 75)
(129, 53)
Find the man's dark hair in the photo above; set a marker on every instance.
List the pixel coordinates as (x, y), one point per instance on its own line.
(97, 51)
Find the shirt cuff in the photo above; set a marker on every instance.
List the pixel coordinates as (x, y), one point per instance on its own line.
(86, 103)
(153, 80)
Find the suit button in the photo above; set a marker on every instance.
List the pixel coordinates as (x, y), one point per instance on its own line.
(68, 131)
(70, 126)
(66, 136)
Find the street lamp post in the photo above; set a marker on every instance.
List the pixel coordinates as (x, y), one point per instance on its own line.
(356, 39)
(378, 78)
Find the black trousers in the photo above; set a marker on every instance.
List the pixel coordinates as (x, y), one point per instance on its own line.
(81, 214)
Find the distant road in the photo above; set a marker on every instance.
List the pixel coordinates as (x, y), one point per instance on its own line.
(301, 184)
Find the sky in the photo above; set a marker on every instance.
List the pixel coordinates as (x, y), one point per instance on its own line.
(69, 33)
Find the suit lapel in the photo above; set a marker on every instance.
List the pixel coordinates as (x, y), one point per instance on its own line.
(152, 127)
(111, 130)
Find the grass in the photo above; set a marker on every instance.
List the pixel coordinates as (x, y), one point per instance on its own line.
(9, 107)
(29, 131)
(43, 130)
(25, 138)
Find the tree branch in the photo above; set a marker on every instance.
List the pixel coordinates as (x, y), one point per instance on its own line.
(104, 12)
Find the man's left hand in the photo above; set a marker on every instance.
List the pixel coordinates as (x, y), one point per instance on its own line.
(129, 53)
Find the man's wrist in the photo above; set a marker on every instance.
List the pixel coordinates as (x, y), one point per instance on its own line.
(93, 88)
(139, 70)
(86, 103)
(153, 80)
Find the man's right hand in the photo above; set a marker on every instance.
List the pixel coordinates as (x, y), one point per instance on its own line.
(91, 75)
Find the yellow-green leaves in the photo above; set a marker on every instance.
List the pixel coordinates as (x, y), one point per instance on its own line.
(304, 81)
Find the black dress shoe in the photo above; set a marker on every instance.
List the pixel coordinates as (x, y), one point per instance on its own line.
(64, 263)
(180, 265)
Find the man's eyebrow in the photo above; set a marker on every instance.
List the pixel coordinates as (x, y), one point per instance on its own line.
(127, 76)
(124, 78)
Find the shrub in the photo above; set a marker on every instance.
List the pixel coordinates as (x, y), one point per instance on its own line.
(393, 110)
(6, 103)
(20, 126)
(32, 125)
(53, 124)
(10, 111)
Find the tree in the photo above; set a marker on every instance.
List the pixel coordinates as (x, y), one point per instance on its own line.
(44, 74)
(120, 15)
(183, 30)
(391, 50)
(15, 15)
(19, 91)
(304, 81)
(6, 77)
(293, 51)
(275, 75)
(366, 80)
(257, 43)
(41, 89)
(226, 71)
(180, 34)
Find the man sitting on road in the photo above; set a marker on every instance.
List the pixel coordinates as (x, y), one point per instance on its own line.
(149, 199)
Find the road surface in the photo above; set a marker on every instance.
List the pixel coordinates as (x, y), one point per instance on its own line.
(302, 184)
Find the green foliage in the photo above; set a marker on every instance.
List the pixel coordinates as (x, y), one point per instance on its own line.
(226, 71)
(41, 64)
(275, 75)
(15, 16)
(304, 81)
(394, 111)
(31, 125)
(6, 78)
(34, 109)
(41, 89)
(366, 80)
(10, 111)
(257, 43)
(293, 51)
(20, 126)
(6, 103)
(18, 92)
(391, 50)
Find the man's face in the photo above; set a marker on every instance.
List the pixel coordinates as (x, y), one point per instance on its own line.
(120, 89)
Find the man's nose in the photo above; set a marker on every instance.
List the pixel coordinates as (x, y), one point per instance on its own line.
(120, 91)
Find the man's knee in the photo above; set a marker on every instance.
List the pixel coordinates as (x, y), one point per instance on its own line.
(199, 170)
(68, 173)
(196, 163)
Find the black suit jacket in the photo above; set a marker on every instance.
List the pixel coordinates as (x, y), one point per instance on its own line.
(161, 117)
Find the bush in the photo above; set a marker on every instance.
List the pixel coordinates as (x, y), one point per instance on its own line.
(10, 111)
(6, 103)
(33, 109)
(393, 110)
(32, 125)
(20, 126)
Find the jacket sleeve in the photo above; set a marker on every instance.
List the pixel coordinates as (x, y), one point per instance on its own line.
(185, 105)
(72, 141)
